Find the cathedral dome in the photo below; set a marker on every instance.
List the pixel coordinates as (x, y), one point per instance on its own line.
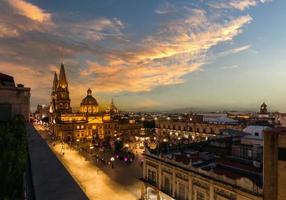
(89, 99)
(89, 104)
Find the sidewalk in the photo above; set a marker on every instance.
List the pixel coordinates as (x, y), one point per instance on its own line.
(101, 183)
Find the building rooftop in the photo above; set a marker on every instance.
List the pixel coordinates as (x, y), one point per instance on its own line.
(6, 80)
(208, 161)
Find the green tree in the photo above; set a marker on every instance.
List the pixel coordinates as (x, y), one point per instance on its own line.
(13, 158)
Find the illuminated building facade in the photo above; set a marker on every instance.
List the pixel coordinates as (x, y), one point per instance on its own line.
(89, 104)
(89, 122)
(60, 93)
(195, 128)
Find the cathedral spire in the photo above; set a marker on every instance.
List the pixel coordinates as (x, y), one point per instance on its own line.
(55, 82)
(62, 78)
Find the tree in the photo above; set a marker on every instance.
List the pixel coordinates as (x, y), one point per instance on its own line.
(13, 158)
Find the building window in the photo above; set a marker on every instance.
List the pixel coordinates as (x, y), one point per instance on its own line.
(152, 177)
(167, 184)
(256, 134)
(282, 154)
(181, 192)
(200, 195)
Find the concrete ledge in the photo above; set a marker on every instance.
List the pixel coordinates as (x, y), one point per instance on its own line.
(50, 179)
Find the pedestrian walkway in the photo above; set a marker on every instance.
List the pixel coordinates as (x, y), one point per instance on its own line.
(108, 184)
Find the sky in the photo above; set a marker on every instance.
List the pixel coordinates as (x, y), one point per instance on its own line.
(150, 55)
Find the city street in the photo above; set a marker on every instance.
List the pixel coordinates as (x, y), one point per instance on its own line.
(101, 182)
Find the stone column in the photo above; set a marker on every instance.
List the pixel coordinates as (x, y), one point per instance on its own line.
(159, 176)
(173, 184)
(144, 168)
(158, 194)
(211, 191)
(190, 191)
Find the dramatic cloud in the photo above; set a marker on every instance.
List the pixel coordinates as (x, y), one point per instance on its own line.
(179, 48)
(30, 11)
(108, 54)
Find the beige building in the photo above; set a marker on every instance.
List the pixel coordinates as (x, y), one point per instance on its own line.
(275, 164)
(89, 123)
(14, 100)
(166, 178)
(191, 129)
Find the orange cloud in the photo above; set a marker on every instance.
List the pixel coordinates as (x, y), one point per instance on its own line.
(6, 31)
(30, 11)
(163, 61)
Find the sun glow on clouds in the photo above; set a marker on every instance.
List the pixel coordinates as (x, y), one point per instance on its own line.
(178, 47)
(30, 11)
(166, 57)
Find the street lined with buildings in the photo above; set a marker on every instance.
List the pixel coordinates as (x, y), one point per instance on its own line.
(100, 182)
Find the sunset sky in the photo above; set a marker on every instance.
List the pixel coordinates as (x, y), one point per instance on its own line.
(150, 54)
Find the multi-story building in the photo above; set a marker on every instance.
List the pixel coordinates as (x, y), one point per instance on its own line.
(194, 175)
(14, 100)
(42, 112)
(193, 127)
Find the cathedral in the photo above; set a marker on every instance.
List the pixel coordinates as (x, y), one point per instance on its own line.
(88, 123)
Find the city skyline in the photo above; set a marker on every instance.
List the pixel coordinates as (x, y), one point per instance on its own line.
(163, 55)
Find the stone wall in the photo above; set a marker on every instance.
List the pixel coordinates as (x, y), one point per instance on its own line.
(18, 101)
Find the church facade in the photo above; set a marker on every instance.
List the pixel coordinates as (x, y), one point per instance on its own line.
(88, 123)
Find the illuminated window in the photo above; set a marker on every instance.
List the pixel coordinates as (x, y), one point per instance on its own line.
(77, 126)
(82, 126)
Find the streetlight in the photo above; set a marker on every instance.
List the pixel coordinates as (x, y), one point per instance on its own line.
(77, 141)
(112, 159)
